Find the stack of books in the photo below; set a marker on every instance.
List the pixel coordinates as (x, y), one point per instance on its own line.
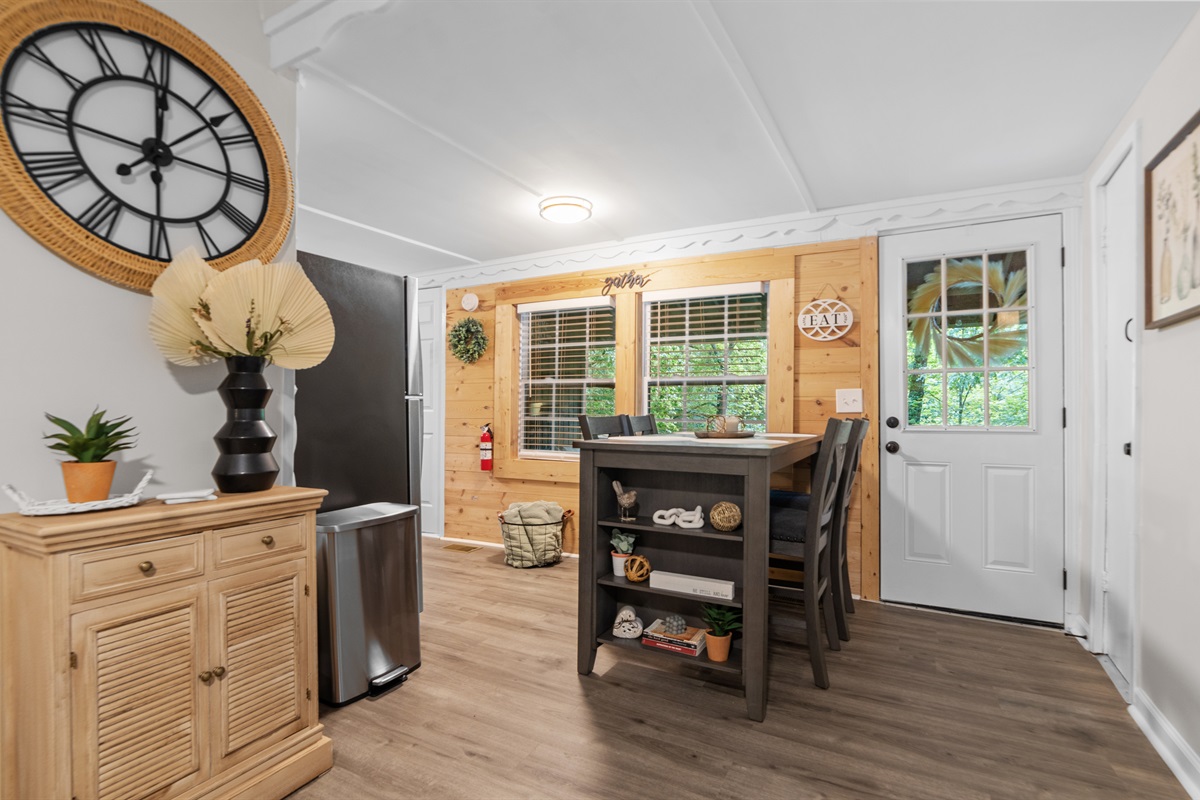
(688, 643)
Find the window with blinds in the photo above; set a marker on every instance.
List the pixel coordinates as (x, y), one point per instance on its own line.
(703, 356)
(568, 368)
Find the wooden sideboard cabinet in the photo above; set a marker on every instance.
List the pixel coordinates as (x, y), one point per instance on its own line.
(161, 651)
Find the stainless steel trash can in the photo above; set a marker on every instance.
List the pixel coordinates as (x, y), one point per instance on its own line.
(368, 621)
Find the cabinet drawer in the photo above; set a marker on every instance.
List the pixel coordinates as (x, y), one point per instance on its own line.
(248, 543)
(119, 569)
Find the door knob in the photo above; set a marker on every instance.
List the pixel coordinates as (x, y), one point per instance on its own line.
(218, 671)
(892, 422)
(892, 447)
(205, 676)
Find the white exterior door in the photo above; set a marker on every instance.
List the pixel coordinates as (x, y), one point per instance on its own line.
(971, 340)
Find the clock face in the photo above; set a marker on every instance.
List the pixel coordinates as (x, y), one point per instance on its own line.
(133, 142)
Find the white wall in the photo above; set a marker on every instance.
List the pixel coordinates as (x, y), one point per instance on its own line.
(1167, 690)
(71, 341)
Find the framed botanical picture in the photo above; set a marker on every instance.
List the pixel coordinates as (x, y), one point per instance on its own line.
(1173, 230)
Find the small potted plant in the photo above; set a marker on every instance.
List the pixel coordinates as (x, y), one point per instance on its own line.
(622, 547)
(721, 621)
(89, 476)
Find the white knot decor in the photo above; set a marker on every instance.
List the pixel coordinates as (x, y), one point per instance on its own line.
(627, 625)
(680, 517)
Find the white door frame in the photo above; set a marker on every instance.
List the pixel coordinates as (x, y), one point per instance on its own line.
(435, 394)
(1129, 147)
(1075, 468)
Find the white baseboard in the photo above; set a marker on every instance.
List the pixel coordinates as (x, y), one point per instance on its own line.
(1178, 754)
(1077, 626)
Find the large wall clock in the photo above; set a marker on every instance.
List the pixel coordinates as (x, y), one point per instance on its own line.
(127, 139)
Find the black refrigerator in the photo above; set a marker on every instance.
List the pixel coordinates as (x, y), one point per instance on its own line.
(358, 436)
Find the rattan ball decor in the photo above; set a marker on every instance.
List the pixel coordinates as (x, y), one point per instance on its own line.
(637, 568)
(725, 516)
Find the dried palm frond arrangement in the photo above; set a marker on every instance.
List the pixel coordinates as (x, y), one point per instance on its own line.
(272, 311)
(1005, 334)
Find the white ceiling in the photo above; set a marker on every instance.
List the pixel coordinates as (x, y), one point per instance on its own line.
(436, 126)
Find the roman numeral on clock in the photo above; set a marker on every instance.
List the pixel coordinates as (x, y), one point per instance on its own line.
(244, 223)
(248, 182)
(158, 64)
(104, 56)
(210, 244)
(38, 55)
(160, 246)
(237, 138)
(21, 108)
(53, 168)
(104, 212)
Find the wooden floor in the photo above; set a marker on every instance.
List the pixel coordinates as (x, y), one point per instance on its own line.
(922, 706)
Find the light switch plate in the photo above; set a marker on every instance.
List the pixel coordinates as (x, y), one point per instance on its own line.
(849, 401)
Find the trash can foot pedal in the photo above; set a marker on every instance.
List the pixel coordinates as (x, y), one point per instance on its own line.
(388, 680)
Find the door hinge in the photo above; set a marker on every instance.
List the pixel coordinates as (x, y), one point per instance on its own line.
(1062, 255)
(74, 661)
(1064, 580)
(308, 694)
(1064, 416)
(1128, 448)
(306, 590)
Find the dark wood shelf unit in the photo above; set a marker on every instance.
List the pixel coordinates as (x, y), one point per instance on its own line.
(677, 472)
(733, 665)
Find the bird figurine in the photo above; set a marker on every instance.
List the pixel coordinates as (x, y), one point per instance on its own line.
(626, 500)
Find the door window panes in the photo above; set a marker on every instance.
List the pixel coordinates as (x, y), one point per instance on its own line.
(968, 320)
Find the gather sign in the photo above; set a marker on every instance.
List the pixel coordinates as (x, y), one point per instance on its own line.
(825, 320)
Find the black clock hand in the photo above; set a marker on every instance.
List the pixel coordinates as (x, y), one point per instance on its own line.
(124, 169)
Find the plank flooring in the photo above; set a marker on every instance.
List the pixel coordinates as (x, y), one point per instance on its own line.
(922, 705)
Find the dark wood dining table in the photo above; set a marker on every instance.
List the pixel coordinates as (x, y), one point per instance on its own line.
(680, 470)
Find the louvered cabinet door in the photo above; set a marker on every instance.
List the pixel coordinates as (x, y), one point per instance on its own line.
(257, 620)
(139, 708)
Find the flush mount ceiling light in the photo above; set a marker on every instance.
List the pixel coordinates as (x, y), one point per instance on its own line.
(565, 209)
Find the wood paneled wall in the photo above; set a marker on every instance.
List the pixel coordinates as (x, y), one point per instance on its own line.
(804, 376)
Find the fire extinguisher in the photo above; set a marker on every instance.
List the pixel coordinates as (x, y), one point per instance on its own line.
(485, 448)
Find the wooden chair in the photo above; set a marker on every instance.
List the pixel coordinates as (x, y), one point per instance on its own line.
(596, 427)
(840, 567)
(807, 536)
(639, 426)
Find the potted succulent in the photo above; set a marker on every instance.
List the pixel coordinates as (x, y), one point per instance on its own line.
(89, 476)
(721, 621)
(622, 547)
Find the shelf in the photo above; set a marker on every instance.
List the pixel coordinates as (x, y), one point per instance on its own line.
(646, 588)
(734, 664)
(648, 524)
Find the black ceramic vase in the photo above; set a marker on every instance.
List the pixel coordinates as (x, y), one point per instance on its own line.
(245, 440)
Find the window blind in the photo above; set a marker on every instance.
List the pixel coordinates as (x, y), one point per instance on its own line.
(705, 356)
(568, 368)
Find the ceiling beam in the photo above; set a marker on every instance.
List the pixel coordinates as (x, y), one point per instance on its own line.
(303, 28)
(741, 75)
(382, 232)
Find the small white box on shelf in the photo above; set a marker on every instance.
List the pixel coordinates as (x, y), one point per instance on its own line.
(692, 584)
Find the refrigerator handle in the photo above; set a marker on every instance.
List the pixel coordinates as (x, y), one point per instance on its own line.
(414, 376)
(416, 441)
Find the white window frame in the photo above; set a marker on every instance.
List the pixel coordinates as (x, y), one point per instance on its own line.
(570, 304)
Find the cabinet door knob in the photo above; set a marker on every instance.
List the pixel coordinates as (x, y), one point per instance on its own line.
(146, 566)
(268, 540)
(205, 676)
(218, 671)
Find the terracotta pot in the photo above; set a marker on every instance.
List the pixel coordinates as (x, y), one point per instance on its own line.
(88, 482)
(717, 647)
(619, 564)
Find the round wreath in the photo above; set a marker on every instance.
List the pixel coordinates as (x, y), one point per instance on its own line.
(468, 342)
